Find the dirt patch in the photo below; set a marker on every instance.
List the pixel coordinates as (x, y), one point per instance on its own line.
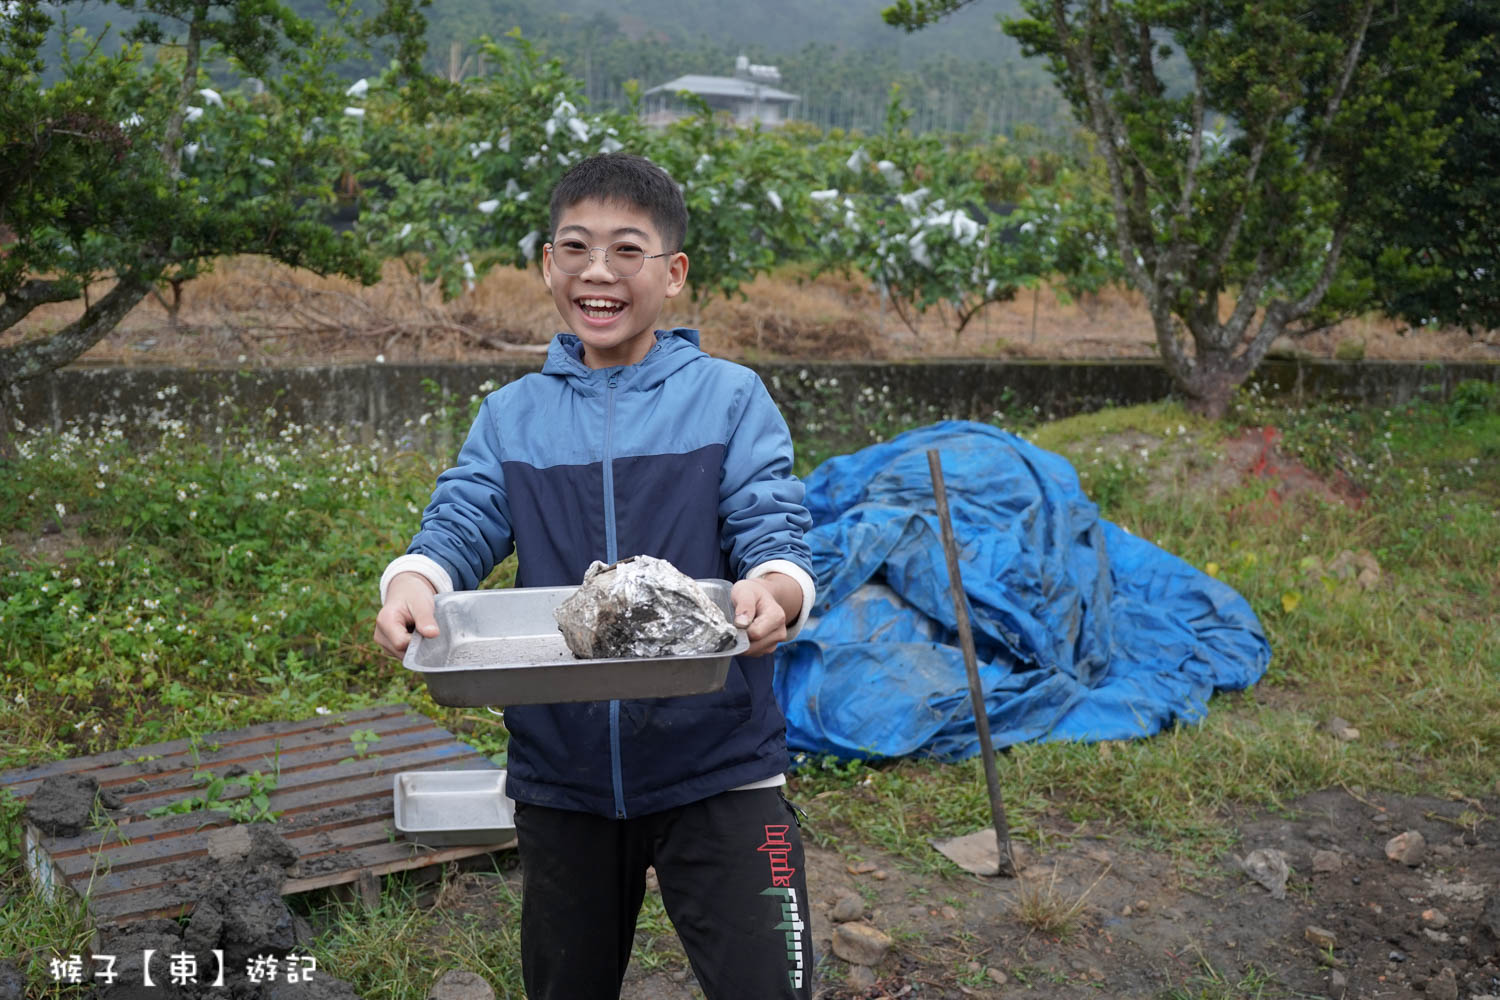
(63, 804)
(239, 911)
(1351, 923)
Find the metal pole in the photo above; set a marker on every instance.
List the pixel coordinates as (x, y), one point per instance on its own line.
(1005, 861)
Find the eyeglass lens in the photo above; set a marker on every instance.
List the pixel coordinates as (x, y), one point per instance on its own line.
(574, 257)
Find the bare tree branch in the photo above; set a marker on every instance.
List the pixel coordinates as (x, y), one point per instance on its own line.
(1351, 62)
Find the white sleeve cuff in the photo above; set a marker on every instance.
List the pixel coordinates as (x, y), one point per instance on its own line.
(426, 566)
(805, 581)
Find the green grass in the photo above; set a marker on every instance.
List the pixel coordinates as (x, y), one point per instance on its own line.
(1412, 662)
(164, 592)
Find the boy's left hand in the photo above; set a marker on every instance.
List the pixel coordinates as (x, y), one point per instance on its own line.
(759, 611)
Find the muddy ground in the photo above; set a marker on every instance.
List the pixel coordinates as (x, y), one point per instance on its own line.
(1352, 922)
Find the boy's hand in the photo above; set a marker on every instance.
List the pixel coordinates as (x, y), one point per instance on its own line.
(408, 606)
(763, 606)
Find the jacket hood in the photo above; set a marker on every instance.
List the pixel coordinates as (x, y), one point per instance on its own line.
(673, 350)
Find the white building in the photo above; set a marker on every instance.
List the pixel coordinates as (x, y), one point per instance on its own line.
(750, 96)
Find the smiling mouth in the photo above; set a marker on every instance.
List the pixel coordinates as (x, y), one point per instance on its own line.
(595, 308)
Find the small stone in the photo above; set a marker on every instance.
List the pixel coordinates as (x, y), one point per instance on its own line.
(1407, 848)
(1327, 861)
(861, 977)
(949, 913)
(1318, 937)
(1142, 905)
(849, 907)
(1434, 918)
(1441, 937)
(1397, 956)
(1127, 910)
(1337, 983)
(858, 943)
(996, 976)
(1269, 867)
(1174, 914)
(879, 875)
(861, 867)
(460, 984)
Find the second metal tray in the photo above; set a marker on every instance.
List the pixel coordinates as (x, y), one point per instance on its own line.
(444, 808)
(502, 647)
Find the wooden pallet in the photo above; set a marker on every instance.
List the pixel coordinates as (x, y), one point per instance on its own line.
(334, 804)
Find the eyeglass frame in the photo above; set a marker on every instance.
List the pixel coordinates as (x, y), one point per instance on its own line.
(551, 248)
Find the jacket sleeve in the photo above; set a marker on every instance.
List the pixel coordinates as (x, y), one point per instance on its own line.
(760, 500)
(466, 527)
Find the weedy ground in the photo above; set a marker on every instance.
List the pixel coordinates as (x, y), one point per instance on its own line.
(153, 593)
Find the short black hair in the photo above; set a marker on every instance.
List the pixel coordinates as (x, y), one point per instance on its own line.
(625, 179)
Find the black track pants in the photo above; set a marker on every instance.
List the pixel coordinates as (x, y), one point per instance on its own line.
(732, 878)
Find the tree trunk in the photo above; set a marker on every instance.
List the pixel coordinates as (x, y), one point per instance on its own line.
(31, 358)
(1210, 384)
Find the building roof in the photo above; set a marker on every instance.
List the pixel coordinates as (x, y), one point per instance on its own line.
(723, 86)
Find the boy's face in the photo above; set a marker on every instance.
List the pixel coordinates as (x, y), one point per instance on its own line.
(615, 317)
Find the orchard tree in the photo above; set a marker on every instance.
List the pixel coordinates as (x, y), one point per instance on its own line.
(134, 168)
(1293, 122)
(1434, 256)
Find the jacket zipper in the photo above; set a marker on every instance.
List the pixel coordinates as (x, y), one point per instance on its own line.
(611, 554)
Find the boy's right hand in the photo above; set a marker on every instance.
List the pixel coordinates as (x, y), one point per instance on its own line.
(408, 606)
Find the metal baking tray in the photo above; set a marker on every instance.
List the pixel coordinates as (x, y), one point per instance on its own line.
(503, 647)
(445, 808)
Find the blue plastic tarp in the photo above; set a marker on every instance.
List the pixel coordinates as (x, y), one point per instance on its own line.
(1083, 631)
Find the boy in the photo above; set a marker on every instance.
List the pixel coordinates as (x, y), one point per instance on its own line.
(632, 440)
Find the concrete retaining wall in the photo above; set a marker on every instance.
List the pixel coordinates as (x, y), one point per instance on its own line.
(844, 401)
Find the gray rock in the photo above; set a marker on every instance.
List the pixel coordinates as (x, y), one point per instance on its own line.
(1338, 983)
(861, 977)
(460, 984)
(858, 943)
(641, 606)
(1327, 861)
(849, 907)
(1407, 848)
(1268, 866)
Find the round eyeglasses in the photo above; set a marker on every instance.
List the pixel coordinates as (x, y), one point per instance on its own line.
(623, 258)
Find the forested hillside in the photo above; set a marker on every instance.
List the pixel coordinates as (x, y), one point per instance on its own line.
(964, 75)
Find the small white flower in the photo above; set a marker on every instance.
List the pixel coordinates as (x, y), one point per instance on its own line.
(61, 510)
(489, 206)
(380, 359)
(358, 88)
(354, 112)
(193, 113)
(211, 97)
(321, 710)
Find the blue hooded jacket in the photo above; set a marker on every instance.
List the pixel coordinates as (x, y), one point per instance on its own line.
(682, 456)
